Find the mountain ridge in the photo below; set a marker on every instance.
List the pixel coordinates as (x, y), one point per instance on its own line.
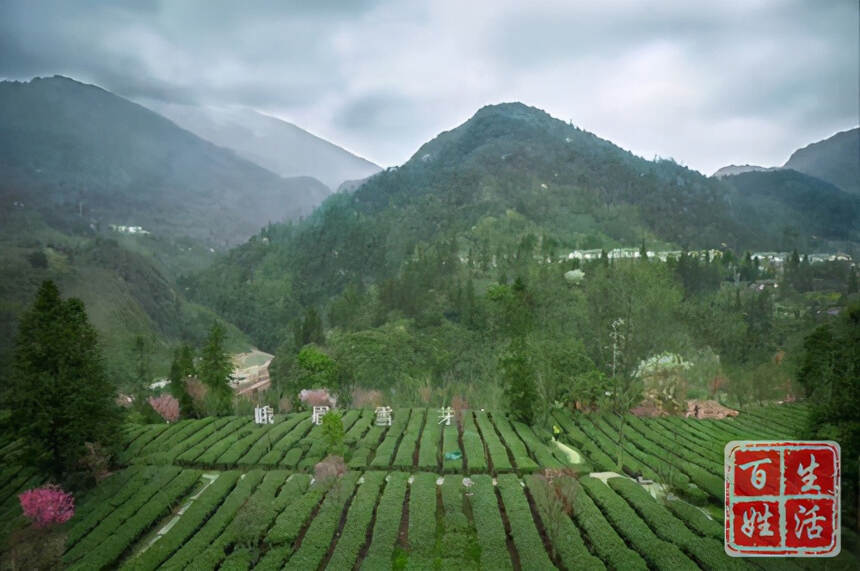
(76, 149)
(277, 145)
(835, 159)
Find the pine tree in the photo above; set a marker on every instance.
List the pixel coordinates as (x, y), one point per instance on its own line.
(519, 382)
(216, 368)
(181, 368)
(58, 395)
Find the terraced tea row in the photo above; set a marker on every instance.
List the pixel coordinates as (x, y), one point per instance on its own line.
(274, 519)
(414, 441)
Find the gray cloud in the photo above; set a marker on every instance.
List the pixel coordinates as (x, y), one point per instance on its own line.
(705, 83)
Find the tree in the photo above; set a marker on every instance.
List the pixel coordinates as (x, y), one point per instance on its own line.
(47, 506)
(519, 383)
(333, 433)
(309, 330)
(58, 394)
(829, 370)
(165, 405)
(315, 370)
(216, 369)
(141, 359)
(181, 368)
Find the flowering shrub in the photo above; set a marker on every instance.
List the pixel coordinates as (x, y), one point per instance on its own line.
(167, 406)
(47, 505)
(317, 397)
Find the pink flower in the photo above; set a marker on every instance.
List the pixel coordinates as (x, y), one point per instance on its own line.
(47, 505)
(167, 406)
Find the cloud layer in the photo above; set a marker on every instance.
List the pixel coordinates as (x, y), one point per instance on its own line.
(708, 84)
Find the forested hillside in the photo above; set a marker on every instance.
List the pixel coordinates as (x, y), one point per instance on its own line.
(112, 202)
(508, 194)
(84, 158)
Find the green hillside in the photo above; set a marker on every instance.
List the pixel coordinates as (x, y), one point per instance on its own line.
(248, 499)
(512, 182)
(805, 209)
(126, 283)
(85, 159)
(76, 161)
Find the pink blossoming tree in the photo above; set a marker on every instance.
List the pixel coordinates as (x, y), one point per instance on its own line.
(47, 506)
(167, 406)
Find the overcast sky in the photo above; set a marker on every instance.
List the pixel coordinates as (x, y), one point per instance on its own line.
(707, 83)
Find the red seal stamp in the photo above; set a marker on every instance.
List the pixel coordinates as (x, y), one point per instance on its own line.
(782, 499)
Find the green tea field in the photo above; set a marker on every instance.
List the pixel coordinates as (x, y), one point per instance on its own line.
(224, 493)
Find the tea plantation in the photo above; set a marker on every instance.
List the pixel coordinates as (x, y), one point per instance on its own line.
(224, 493)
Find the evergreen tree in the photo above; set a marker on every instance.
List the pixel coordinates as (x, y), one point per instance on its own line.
(141, 358)
(216, 368)
(58, 395)
(181, 368)
(519, 383)
(309, 330)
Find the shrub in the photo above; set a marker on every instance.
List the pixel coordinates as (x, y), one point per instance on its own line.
(554, 492)
(388, 515)
(525, 534)
(358, 518)
(319, 534)
(660, 554)
(488, 524)
(329, 470)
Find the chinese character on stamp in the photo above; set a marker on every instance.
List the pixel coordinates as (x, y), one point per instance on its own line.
(782, 499)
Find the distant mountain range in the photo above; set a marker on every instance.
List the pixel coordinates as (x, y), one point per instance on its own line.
(835, 160)
(732, 170)
(277, 145)
(82, 156)
(80, 165)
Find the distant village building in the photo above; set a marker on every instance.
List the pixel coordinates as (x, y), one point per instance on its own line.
(251, 372)
(128, 229)
(708, 409)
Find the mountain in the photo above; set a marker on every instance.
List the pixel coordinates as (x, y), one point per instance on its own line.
(277, 145)
(835, 159)
(731, 170)
(82, 156)
(510, 183)
(78, 167)
(768, 199)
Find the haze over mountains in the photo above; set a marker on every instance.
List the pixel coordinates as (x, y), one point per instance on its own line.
(80, 154)
(277, 145)
(76, 160)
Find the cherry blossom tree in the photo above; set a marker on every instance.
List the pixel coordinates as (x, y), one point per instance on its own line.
(167, 406)
(47, 506)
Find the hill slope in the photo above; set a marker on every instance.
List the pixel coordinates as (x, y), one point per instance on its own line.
(74, 160)
(835, 159)
(277, 145)
(785, 194)
(81, 155)
(509, 174)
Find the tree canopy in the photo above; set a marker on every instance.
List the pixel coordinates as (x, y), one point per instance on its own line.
(58, 394)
